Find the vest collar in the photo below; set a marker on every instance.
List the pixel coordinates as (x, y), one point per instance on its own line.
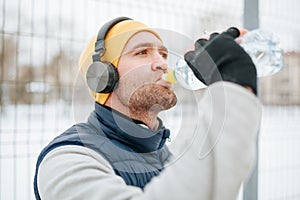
(119, 127)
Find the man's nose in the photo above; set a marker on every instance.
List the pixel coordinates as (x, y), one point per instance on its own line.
(159, 63)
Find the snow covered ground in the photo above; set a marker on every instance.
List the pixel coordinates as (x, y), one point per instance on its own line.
(26, 129)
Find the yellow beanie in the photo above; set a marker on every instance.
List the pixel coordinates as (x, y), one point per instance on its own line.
(115, 41)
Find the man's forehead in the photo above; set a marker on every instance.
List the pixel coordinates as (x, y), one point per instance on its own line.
(143, 39)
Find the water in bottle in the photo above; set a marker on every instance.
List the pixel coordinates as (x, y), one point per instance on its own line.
(264, 50)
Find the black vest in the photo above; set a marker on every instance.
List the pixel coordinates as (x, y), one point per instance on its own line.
(136, 154)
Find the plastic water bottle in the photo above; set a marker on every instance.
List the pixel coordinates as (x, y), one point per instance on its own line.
(262, 47)
(183, 74)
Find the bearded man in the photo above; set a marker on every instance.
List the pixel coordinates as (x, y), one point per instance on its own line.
(120, 152)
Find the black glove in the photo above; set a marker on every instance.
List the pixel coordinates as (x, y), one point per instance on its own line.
(222, 58)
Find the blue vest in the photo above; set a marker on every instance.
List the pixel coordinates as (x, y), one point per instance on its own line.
(136, 154)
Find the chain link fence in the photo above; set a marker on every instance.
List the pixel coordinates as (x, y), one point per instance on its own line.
(41, 43)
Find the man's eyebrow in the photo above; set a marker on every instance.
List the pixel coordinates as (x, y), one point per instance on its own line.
(149, 44)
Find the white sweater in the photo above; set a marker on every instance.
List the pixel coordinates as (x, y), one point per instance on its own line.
(229, 121)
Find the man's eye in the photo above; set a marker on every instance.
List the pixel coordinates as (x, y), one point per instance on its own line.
(164, 55)
(143, 52)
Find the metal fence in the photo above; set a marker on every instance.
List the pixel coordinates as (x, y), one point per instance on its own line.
(40, 45)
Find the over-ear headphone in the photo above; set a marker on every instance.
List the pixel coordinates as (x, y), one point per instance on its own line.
(102, 77)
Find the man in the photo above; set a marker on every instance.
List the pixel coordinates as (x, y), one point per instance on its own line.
(120, 152)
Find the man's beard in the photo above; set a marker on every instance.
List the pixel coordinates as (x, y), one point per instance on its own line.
(152, 97)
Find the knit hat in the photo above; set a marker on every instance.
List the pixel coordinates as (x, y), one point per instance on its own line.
(115, 41)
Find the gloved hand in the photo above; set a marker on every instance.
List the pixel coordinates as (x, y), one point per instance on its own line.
(222, 58)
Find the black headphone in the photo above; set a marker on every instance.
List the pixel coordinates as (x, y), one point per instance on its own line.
(102, 77)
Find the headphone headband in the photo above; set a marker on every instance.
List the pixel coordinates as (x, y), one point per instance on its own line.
(99, 44)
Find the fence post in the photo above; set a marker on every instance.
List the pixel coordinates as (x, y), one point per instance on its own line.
(251, 21)
(251, 14)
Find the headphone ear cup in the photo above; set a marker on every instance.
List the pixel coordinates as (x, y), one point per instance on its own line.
(102, 77)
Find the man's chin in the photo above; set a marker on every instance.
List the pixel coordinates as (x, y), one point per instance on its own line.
(159, 96)
(169, 98)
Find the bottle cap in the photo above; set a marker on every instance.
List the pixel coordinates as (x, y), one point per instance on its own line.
(170, 76)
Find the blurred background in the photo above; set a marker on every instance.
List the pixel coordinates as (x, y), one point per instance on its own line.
(41, 41)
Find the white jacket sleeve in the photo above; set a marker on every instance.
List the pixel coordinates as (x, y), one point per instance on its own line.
(218, 158)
